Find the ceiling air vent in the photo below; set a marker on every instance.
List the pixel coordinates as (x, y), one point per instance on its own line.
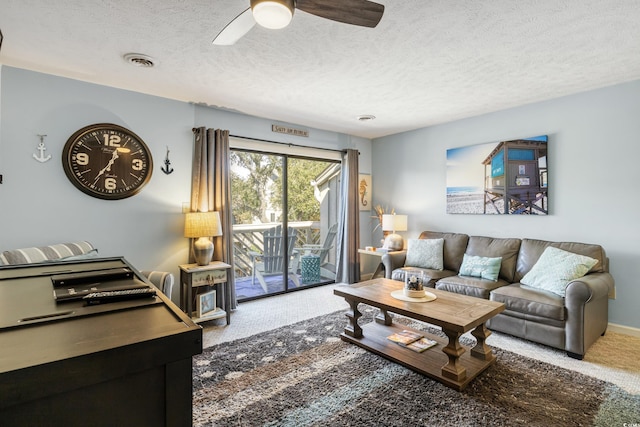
(139, 60)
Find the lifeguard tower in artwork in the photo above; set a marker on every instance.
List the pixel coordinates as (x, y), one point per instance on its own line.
(516, 177)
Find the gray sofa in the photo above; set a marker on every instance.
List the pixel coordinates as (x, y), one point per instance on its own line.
(572, 322)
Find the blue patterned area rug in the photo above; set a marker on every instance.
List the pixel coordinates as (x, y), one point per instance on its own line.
(304, 375)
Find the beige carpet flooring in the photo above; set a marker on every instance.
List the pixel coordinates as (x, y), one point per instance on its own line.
(614, 357)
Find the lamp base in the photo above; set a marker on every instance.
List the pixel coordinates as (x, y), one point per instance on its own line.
(394, 242)
(203, 251)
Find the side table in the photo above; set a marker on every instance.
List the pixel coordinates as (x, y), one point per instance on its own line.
(371, 265)
(193, 276)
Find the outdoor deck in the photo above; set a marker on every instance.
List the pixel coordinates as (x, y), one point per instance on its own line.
(249, 238)
(245, 290)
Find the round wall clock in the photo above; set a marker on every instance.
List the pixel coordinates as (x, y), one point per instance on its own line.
(107, 161)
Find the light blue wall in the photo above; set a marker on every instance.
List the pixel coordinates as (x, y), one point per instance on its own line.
(594, 179)
(38, 204)
(593, 156)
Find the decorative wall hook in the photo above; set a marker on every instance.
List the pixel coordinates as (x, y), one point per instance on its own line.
(167, 164)
(41, 148)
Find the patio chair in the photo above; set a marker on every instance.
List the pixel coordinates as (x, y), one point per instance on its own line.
(321, 250)
(270, 261)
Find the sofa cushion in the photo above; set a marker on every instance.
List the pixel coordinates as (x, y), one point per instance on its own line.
(483, 267)
(529, 301)
(556, 268)
(471, 286)
(495, 247)
(454, 246)
(532, 249)
(425, 253)
(62, 251)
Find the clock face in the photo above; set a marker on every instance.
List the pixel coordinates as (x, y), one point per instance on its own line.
(107, 161)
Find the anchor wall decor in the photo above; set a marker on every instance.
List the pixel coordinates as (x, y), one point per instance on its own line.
(41, 148)
(167, 169)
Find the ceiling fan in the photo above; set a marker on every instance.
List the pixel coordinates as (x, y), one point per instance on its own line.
(276, 14)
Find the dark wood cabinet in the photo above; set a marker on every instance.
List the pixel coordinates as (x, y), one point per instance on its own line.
(125, 363)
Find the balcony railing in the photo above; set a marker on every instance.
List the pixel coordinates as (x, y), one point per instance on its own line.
(248, 237)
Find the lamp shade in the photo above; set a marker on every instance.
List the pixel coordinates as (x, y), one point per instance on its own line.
(272, 14)
(394, 223)
(202, 224)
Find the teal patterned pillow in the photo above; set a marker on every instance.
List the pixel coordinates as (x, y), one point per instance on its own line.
(425, 253)
(556, 268)
(482, 267)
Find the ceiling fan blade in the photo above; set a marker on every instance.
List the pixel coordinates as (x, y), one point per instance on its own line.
(234, 30)
(356, 12)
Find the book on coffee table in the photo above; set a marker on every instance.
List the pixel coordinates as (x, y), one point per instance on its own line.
(405, 337)
(421, 345)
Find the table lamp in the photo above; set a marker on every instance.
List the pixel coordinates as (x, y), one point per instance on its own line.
(202, 225)
(393, 223)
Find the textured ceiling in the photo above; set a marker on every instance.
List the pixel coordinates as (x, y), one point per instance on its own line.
(427, 62)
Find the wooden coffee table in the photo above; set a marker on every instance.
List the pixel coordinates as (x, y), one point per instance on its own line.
(447, 362)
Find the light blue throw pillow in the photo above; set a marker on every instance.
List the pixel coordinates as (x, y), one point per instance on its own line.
(482, 267)
(556, 268)
(425, 253)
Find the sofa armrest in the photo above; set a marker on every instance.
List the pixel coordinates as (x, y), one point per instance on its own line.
(587, 288)
(393, 260)
(587, 304)
(161, 280)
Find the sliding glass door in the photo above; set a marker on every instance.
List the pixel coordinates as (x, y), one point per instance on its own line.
(284, 214)
(312, 201)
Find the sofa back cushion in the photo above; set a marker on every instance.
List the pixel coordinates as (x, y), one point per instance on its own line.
(492, 247)
(453, 250)
(62, 251)
(531, 250)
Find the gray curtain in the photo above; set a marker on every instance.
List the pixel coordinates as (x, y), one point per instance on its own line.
(348, 263)
(211, 191)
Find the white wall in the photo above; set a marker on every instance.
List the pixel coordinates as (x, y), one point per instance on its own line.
(594, 158)
(38, 204)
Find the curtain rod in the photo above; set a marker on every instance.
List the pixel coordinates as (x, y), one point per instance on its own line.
(289, 144)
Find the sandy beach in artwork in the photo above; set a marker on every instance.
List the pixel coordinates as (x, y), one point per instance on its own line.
(466, 203)
(471, 203)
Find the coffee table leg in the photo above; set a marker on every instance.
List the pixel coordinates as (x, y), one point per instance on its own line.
(353, 329)
(383, 318)
(454, 370)
(482, 350)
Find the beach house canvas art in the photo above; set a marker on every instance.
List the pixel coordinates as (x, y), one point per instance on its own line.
(499, 178)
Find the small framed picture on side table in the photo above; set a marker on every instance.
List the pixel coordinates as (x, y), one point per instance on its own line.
(206, 304)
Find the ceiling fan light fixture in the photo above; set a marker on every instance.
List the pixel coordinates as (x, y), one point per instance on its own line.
(272, 14)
